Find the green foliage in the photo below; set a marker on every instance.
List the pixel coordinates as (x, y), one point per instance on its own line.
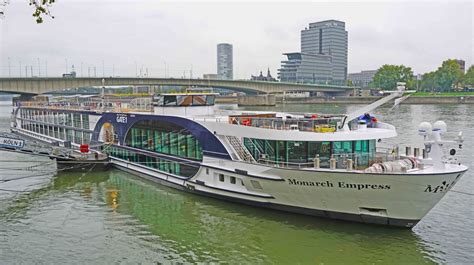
(41, 8)
(447, 76)
(388, 75)
(468, 78)
(349, 82)
(442, 94)
(429, 82)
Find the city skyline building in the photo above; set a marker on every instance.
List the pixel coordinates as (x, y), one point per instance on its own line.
(225, 61)
(462, 65)
(306, 68)
(328, 37)
(323, 57)
(363, 78)
(261, 77)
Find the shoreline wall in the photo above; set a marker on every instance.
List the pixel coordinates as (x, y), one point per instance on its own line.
(360, 100)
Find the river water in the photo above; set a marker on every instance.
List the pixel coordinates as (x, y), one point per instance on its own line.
(51, 217)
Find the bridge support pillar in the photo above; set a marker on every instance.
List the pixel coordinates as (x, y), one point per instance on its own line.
(257, 100)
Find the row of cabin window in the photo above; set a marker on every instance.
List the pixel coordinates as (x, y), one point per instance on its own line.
(185, 100)
(58, 118)
(232, 179)
(304, 152)
(172, 143)
(164, 165)
(78, 137)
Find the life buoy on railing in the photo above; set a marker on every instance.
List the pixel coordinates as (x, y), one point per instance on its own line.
(246, 122)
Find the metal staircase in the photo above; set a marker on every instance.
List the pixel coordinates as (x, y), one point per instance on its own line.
(240, 149)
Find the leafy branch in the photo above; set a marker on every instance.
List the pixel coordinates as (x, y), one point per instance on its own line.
(42, 9)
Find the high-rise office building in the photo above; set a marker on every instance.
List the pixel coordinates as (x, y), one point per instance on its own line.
(363, 78)
(306, 68)
(462, 65)
(329, 38)
(224, 61)
(322, 40)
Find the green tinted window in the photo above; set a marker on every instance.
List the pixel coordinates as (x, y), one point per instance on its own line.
(173, 143)
(191, 146)
(166, 142)
(182, 145)
(297, 152)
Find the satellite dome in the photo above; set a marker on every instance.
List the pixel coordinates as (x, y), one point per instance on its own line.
(424, 128)
(441, 126)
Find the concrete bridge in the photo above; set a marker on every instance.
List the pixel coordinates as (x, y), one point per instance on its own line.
(50, 84)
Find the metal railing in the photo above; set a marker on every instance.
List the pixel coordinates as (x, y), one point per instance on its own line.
(321, 125)
(105, 107)
(341, 161)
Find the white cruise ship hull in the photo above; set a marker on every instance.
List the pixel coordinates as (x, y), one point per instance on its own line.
(387, 199)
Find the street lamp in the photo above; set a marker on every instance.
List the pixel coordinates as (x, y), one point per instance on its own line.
(39, 67)
(9, 68)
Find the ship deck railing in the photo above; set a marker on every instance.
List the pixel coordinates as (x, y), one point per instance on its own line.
(319, 125)
(84, 107)
(341, 160)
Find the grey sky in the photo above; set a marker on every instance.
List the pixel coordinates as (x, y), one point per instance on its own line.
(152, 33)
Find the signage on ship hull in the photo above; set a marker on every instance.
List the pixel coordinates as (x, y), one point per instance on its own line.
(11, 142)
(339, 184)
(121, 118)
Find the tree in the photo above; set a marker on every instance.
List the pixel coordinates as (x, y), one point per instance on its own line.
(41, 8)
(429, 82)
(448, 74)
(468, 79)
(388, 75)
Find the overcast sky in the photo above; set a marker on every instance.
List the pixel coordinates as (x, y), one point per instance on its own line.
(183, 35)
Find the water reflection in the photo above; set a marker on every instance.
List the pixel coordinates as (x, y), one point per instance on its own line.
(224, 231)
(189, 228)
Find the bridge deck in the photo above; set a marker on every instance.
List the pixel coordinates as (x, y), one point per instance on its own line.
(50, 84)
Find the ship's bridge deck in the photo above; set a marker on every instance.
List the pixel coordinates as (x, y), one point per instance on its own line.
(289, 124)
(282, 121)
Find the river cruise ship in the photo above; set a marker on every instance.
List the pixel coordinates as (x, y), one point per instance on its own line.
(315, 164)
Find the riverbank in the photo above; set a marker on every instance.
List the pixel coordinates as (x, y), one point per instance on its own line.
(362, 100)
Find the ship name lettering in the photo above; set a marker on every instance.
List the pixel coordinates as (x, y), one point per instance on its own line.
(325, 184)
(360, 186)
(121, 118)
(340, 184)
(439, 188)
